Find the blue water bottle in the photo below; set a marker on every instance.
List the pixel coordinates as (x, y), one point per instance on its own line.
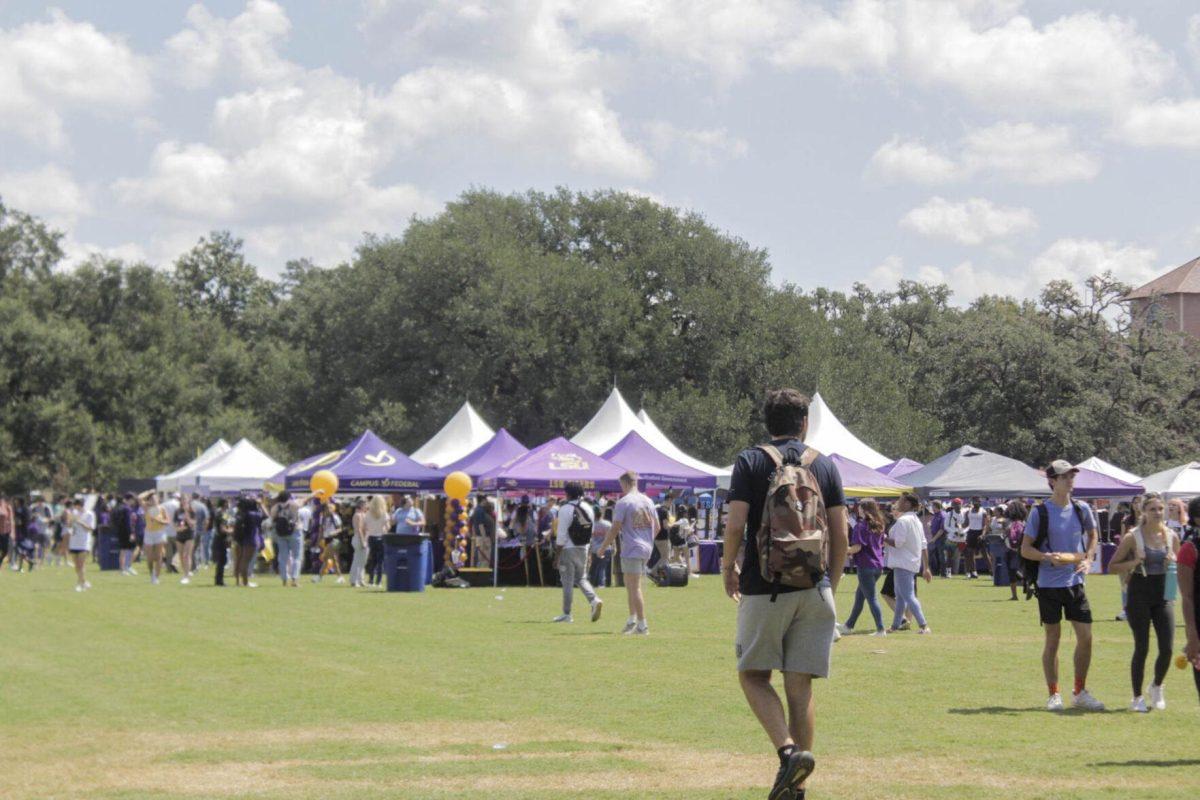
(1171, 589)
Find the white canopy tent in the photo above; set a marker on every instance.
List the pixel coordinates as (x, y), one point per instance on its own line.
(1181, 481)
(1104, 468)
(465, 433)
(828, 435)
(244, 468)
(656, 437)
(171, 481)
(610, 425)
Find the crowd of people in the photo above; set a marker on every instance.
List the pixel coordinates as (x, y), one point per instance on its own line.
(790, 536)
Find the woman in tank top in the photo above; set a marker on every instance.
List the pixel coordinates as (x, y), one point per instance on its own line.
(155, 542)
(1145, 555)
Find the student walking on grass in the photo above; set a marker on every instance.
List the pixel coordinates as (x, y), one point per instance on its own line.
(786, 616)
(1060, 536)
(1145, 553)
(907, 556)
(573, 537)
(81, 524)
(1189, 594)
(866, 548)
(155, 542)
(636, 522)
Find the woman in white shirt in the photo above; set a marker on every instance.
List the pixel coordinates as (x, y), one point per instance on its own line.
(906, 555)
(78, 537)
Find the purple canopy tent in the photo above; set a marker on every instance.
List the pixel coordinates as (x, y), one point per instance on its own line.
(368, 465)
(551, 466)
(900, 467)
(653, 466)
(1089, 483)
(495, 452)
(859, 480)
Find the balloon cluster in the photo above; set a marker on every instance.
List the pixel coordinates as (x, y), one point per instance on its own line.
(457, 486)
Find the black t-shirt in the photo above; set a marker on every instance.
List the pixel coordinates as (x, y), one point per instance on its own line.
(751, 476)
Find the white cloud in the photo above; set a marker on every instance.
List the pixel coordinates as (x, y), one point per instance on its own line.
(1081, 62)
(1006, 151)
(1165, 123)
(243, 49)
(1076, 260)
(49, 192)
(887, 274)
(972, 222)
(859, 36)
(707, 146)
(55, 67)
(912, 161)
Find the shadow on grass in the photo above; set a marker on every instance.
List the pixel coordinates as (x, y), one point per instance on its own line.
(1180, 762)
(1005, 711)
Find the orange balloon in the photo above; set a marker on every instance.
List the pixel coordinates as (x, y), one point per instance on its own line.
(457, 485)
(324, 484)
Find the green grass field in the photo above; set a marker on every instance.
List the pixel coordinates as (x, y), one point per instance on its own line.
(136, 692)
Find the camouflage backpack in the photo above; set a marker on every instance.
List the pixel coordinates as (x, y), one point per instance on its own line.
(794, 534)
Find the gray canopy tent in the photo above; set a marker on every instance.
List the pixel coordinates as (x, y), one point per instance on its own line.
(970, 471)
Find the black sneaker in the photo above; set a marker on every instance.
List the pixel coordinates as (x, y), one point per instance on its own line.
(792, 772)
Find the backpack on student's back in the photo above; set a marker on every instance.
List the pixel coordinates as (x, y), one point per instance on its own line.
(284, 527)
(1029, 567)
(793, 538)
(580, 531)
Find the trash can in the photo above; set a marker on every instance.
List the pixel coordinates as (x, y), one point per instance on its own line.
(406, 560)
(107, 551)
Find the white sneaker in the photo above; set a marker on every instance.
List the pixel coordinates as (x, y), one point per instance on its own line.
(341, 579)
(88, 585)
(563, 618)
(836, 633)
(880, 632)
(185, 580)
(1157, 700)
(1139, 705)
(842, 629)
(642, 630)
(597, 607)
(132, 571)
(629, 626)
(1085, 701)
(925, 630)
(1055, 703)
(79, 587)
(252, 585)
(154, 580)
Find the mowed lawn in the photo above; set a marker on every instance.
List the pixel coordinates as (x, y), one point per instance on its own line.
(139, 692)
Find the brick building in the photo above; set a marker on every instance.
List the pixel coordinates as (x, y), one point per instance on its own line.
(1175, 295)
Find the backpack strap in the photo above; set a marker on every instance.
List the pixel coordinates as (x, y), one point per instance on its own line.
(1043, 526)
(809, 455)
(773, 453)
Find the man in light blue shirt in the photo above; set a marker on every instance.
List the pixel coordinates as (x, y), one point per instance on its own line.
(1061, 536)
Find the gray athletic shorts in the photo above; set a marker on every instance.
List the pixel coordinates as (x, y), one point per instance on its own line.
(633, 566)
(793, 634)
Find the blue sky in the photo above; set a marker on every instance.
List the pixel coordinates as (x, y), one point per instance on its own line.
(993, 144)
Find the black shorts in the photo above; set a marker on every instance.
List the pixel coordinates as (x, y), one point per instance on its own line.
(183, 536)
(975, 540)
(889, 585)
(77, 550)
(1054, 604)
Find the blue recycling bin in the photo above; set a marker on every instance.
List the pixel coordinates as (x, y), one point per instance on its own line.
(107, 551)
(406, 562)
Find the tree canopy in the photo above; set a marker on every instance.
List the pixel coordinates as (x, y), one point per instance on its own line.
(531, 306)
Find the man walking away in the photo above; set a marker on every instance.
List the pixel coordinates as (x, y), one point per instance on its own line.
(636, 522)
(786, 615)
(956, 537)
(1060, 537)
(573, 537)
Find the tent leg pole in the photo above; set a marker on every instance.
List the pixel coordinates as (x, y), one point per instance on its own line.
(496, 545)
